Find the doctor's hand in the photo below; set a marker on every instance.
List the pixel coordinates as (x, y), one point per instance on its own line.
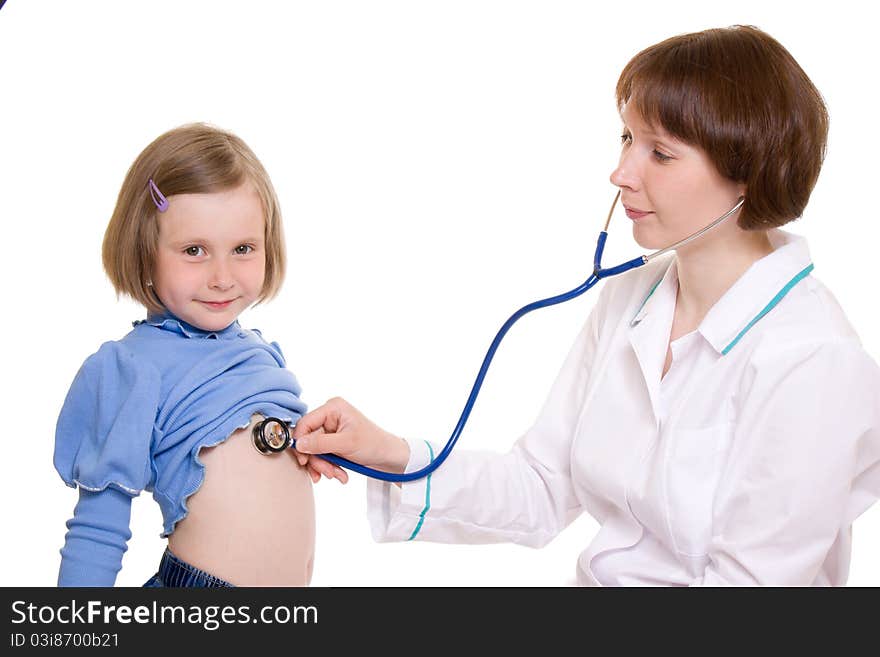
(339, 428)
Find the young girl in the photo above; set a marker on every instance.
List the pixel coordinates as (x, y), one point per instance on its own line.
(195, 237)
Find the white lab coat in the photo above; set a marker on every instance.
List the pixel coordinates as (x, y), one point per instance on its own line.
(745, 465)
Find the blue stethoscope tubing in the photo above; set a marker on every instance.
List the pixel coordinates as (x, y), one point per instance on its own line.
(597, 275)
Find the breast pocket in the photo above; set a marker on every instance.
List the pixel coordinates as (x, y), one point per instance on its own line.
(693, 469)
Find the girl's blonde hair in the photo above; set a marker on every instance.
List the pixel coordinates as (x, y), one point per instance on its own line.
(192, 159)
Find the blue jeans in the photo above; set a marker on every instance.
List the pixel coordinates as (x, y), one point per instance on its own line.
(176, 572)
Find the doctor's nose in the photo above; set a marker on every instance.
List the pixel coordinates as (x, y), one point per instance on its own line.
(625, 174)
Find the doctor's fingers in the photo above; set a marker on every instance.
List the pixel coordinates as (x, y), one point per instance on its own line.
(301, 456)
(320, 442)
(325, 417)
(321, 467)
(316, 467)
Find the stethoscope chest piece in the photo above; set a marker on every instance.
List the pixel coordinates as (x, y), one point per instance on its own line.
(271, 436)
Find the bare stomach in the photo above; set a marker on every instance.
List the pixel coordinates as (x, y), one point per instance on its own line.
(252, 522)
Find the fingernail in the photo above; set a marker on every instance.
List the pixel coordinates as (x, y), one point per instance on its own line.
(303, 444)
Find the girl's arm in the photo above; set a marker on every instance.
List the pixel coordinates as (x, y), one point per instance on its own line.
(102, 447)
(97, 537)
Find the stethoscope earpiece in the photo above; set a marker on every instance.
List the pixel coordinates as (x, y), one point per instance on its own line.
(271, 436)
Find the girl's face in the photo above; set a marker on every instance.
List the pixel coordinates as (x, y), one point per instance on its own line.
(673, 183)
(211, 258)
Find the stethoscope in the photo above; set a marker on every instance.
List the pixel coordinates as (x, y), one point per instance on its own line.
(273, 435)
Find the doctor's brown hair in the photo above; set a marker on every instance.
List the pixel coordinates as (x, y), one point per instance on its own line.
(191, 159)
(739, 95)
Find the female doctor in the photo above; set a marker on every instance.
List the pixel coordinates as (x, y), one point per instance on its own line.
(717, 414)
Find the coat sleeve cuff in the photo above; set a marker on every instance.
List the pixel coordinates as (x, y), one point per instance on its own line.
(397, 513)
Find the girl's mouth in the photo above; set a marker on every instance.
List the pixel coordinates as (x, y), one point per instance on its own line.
(217, 305)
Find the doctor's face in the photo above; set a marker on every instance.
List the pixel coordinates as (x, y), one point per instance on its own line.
(211, 257)
(670, 189)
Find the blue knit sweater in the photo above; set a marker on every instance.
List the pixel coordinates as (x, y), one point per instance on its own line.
(136, 415)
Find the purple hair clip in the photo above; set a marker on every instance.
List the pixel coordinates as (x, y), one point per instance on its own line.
(158, 198)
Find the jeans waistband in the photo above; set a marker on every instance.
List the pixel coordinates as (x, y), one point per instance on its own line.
(174, 572)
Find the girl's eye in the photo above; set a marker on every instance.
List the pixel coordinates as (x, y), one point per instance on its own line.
(192, 250)
(625, 137)
(243, 249)
(660, 156)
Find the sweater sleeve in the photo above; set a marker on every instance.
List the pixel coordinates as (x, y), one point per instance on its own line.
(105, 427)
(102, 447)
(97, 537)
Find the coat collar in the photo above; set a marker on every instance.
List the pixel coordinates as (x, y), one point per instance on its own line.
(751, 297)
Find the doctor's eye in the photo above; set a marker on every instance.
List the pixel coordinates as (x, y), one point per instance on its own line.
(193, 251)
(625, 137)
(243, 249)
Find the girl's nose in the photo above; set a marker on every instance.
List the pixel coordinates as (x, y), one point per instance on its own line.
(221, 277)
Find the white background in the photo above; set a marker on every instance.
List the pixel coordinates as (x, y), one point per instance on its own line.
(439, 165)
